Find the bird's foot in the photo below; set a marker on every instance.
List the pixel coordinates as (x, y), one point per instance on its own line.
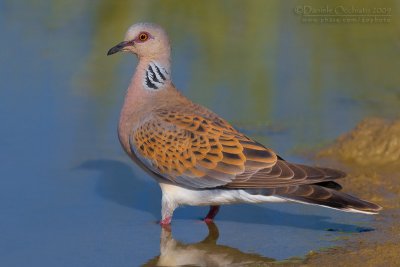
(166, 221)
(208, 220)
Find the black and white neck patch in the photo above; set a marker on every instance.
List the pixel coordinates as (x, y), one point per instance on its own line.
(156, 76)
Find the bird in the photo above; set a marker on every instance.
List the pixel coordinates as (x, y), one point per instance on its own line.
(199, 158)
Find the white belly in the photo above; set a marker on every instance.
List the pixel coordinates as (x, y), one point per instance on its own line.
(183, 196)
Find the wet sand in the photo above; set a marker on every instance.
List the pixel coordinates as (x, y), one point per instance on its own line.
(370, 154)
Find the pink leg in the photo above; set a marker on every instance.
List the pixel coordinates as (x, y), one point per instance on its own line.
(211, 214)
(167, 210)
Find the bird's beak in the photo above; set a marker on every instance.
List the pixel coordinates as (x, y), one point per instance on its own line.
(119, 47)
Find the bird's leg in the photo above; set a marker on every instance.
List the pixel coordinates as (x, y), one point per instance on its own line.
(211, 214)
(167, 210)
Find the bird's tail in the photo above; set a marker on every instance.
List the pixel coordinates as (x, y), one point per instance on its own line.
(327, 197)
(321, 194)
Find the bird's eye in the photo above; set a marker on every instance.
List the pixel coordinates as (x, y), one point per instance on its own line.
(143, 36)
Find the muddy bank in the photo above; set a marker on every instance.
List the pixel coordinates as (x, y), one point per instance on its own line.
(374, 141)
(371, 155)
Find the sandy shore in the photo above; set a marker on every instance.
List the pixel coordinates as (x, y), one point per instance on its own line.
(371, 156)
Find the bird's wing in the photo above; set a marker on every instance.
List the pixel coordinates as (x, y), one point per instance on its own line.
(200, 150)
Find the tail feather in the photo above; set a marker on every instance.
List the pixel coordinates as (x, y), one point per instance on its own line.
(309, 185)
(330, 184)
(323, 196)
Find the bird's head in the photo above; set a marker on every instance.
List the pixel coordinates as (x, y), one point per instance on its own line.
(146, 40)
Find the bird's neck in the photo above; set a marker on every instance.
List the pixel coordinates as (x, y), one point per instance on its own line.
(156, 75)
(152, 76)
(151, 80)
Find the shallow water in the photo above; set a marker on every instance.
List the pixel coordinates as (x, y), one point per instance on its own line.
(71, 197)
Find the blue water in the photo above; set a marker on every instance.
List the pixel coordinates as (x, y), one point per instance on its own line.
(69, 196)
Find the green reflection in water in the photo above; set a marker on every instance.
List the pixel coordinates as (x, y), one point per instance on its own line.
(256, 63)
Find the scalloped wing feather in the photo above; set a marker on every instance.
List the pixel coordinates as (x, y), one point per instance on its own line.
(196, 148)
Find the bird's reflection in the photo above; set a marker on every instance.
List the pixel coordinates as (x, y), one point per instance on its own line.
(204, 253)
